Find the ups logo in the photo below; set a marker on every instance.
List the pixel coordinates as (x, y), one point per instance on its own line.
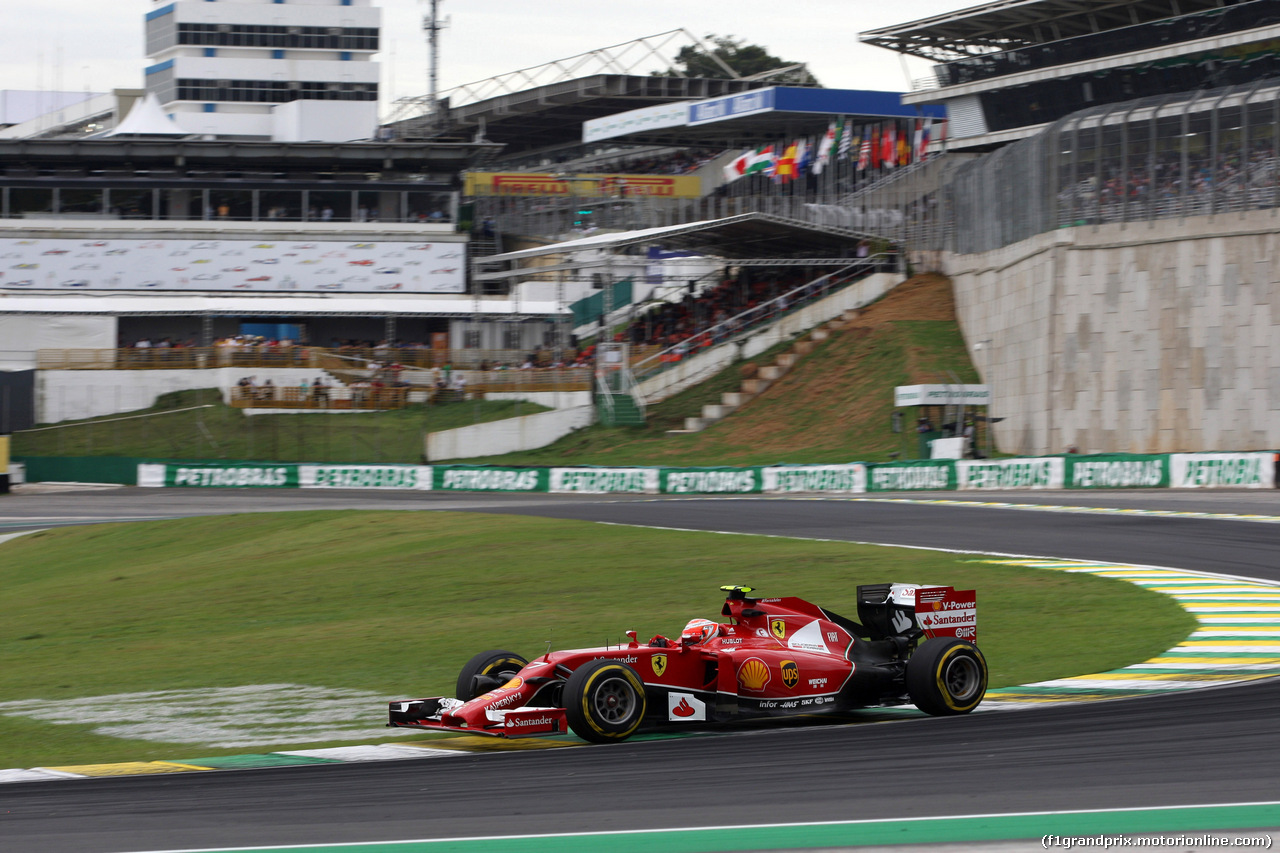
(779, 628)
(659, 664)
(790, 673)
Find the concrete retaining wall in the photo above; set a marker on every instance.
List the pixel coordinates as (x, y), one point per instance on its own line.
(509, 435)
(1149, 337)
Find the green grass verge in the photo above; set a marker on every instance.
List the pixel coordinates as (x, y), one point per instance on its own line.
(834, 406)
(395, 602)
(223, 432)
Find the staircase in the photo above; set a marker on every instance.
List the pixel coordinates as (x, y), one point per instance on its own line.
(619, 410)
(754, 387)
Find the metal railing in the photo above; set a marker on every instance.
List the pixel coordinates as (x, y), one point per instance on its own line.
(761, 315)
(318, 358)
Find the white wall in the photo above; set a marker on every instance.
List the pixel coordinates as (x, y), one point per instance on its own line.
(550, 399)
(324, 121)
(74, 394)
(22, 335)
(507, 436)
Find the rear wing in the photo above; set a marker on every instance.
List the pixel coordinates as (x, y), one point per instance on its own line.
(904, 609)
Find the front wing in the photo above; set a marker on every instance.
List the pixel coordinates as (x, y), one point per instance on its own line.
(434, 714)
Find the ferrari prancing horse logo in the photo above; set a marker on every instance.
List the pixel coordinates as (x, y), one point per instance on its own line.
(659, 664)
(779, 628)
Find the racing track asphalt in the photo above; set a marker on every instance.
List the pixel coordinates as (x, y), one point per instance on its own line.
(1212, 746)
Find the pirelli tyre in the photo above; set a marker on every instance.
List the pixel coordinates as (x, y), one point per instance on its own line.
(487, 671)
(604, 701)
(946, 676)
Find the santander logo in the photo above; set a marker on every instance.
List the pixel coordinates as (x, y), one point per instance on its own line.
(684, 709)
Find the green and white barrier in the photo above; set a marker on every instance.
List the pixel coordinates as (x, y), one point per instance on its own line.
(1101, 471)
(1117, 471)
(1044, 472)
(827, 479)
(925, 475)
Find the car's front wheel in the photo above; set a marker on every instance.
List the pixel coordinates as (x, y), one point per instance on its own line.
(947, 676)
(487, 671)
(604, 701)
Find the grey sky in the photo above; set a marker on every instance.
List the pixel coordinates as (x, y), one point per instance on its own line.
(91, 44)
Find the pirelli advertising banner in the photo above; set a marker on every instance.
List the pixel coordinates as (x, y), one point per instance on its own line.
(702, 481)
(1045, 472)
(1117, 471)
(830, 479)
(476, 478)
(1222, 470)
(403, 477)
(220, 475)
(600, 481)
(584, 185)
(926, 475)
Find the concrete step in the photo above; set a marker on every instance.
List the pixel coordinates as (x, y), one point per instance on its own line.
(819, 335)
(754, 386)
(712, 412)
(735, 398)
(787, 359)
(772, 372)
(694, 425)
(803, 348)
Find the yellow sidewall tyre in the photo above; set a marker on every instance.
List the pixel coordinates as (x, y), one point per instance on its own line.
(946, 677)
(604, 701)
(494, 664)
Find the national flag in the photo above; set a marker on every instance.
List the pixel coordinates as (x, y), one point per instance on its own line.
(846, 143)
(804, 155)
(825, 149)
(922, 148)
(761, 161)
(875, 147)
(785, 169)
(864, 152)
(737, 167)
(904, 147)
(887, 146)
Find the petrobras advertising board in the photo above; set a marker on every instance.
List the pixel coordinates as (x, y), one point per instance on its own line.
(913, 476)
(677, 481)
(472, 478)
(413, 477)
(1119, 471)
(238, 266)
(732, 106)
(830, 479)
(212, 475)
(941, 395)
(1047, 472)
(598, 481)
(1222, 470)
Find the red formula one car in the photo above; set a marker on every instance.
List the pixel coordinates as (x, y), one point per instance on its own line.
(775, 656)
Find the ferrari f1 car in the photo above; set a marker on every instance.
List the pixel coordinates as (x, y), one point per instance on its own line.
(775, 656)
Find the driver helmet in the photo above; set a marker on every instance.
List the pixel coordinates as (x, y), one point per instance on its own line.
(699, 631)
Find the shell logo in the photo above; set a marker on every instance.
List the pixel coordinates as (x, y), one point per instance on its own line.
(937, 605)
(512, 684)
(753, 675)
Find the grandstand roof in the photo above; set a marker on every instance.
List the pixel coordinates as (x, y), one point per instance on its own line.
(751, 235)
(778, 111)
(552, 115)
(1008, 24)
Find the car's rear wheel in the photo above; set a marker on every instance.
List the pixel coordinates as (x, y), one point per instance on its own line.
(947, 676)
(604, 701)
(487, 671)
